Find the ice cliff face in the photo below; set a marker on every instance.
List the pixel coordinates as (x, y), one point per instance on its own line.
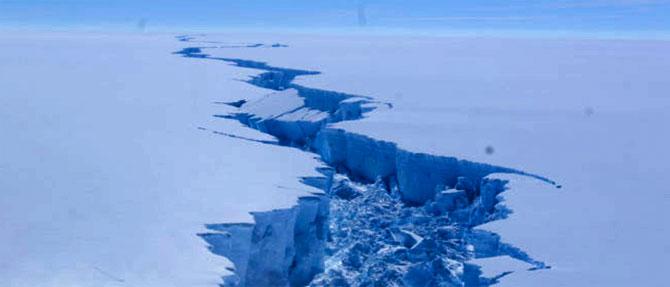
(416, 174)
(388, 216)
(282, 248)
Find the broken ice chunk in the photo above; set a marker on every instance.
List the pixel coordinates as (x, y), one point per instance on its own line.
(418, 275)
(343, 188)
(406, 238)
(449, 200)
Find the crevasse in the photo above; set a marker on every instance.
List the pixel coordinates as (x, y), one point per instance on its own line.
(387, 216)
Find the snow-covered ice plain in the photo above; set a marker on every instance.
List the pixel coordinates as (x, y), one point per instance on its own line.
(364, 159)
(106, 178)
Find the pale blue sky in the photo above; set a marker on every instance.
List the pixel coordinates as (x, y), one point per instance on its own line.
(628, 16)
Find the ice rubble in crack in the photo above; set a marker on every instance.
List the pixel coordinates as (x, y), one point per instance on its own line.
(388, 217)
(377, 240)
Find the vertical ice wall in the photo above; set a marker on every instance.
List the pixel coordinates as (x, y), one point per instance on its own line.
(283, 247)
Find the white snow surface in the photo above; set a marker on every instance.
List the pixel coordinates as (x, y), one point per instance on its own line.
(105, 178)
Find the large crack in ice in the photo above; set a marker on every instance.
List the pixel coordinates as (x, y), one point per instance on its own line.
(389, 217)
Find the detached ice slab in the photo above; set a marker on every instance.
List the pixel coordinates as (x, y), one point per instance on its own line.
(273, 105)
(283, 114)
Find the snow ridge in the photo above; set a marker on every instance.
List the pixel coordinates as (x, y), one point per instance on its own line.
(388, 216)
